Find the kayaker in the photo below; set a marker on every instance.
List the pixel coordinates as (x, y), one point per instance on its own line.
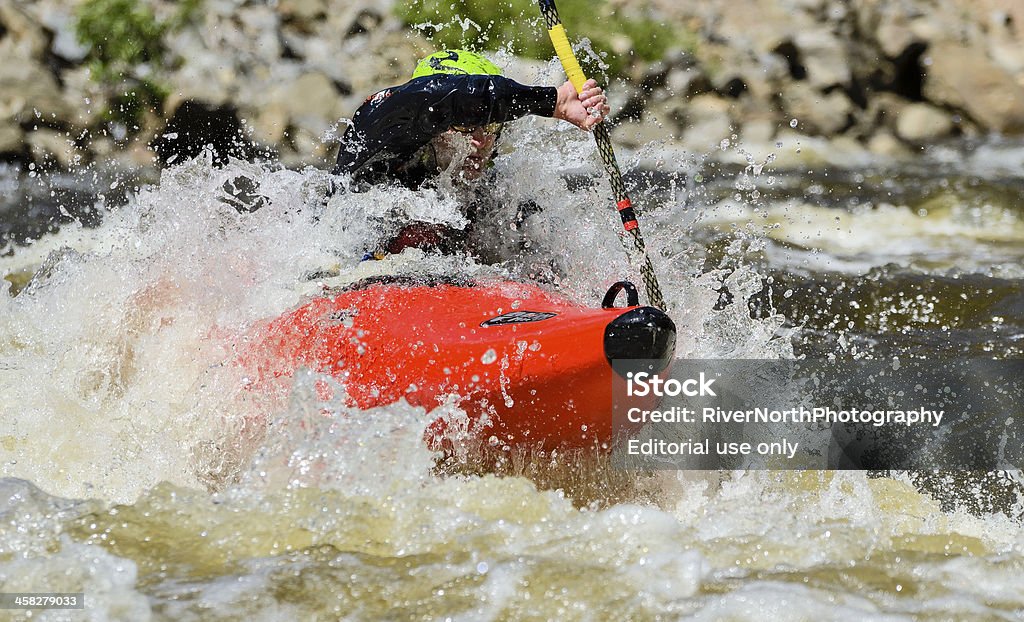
(447, 119)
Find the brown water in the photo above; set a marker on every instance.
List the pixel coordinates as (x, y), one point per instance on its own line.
(137, 468)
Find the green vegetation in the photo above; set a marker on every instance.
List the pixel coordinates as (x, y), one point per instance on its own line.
(518, 26)
(122, 35)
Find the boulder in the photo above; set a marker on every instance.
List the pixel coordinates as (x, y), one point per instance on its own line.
(883, 143)
(84, 96)
(966, 78)
(58, 18)
(759, 131)
(354, 18)
(303, 10)
(816, 112)
(882, 112)
(310, 102)
(10, 137)
(888, 25)
(1006, 40)
(688, 82)
(708, 122)
(257, 39)
(23, 36)
(824, 56)
(920, 122)
(28, 89)
(636, 134)
(48, 145)
(204, 75)
(671, 112)
(268, 123)
(753, 29)
(381, 59)
(528, 70)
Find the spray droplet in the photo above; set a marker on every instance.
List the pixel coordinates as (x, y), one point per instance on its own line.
(793, 123)
(489, 357)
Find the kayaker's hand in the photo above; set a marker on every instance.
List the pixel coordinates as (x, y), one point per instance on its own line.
(585, 109)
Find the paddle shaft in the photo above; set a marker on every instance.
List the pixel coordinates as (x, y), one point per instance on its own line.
(604, 146)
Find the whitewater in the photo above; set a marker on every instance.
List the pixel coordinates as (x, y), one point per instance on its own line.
(137, 467)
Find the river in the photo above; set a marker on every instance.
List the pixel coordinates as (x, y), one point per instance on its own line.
(138, 469)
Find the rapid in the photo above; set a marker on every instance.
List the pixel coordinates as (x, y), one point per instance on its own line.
(137, 465)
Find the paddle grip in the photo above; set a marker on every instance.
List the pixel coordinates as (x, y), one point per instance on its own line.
(565, 54)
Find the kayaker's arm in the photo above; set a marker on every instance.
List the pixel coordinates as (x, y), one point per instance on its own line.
(393, 124)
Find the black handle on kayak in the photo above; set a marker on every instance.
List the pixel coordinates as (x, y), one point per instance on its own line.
(632, 296)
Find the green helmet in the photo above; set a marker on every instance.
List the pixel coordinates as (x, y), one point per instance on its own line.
(456, 62)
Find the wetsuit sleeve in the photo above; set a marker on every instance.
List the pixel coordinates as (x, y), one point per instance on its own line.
(393, 124)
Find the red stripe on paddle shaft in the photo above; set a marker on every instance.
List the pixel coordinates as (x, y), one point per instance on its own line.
(624, 204)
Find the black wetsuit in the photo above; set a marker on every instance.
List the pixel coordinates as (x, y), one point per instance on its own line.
(392, 126)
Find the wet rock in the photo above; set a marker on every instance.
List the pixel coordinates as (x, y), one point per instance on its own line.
(268, 123)
(759, 131)
(882, 112)
(816, 112)
(303, 10)
(10, 137)
(204, 75)
(530, 71)
(304, 146)
(825, 58)
(888, 25)
(688, 82)
(919, 122)
(351, 19)
(671, 112)
(385, 59)
(883, 143)
(28, 92)
(309, 102)
(84, 96)
(626, 100)
(708, 122)
(1006, 40)
(257, 37)
(57, 17)
(650, 129)
(24, 37)
(50, 146)
(966, 79)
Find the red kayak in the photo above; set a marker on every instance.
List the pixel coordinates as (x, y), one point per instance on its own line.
(536, 365)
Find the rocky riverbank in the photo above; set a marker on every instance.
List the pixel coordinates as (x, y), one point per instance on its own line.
(831, 80)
